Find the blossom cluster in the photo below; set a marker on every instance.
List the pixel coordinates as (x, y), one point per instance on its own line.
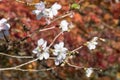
(48, 13)
(42, 51)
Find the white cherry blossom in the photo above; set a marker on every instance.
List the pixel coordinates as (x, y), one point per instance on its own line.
(53, 11)
(92, 44)
(40, 7)
(64, 25)
(4, 27)
(89, 71)
(41, 11)
(60, 52)
(41, 50)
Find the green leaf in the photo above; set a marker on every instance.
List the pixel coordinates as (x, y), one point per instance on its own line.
(75, 6)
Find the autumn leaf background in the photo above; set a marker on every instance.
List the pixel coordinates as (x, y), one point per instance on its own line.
(99, 18)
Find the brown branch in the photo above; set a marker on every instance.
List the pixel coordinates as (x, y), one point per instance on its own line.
(4, 54)
(17, 67)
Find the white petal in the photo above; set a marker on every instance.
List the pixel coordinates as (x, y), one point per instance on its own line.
(41, 57)
(40, 42)
(35, 50)
(89, 71)
(8, 26)
(3, 20)
(56, 6)
(55, 53)
(37, 12)
(59, 57)
(44, 45)
(64, 22)
(56, 46)
(61, 44)
(57, 62)
(40, 6)
(64, 28)
(64, 50)
(4, 25)
(54, 12)
(95, 43)
(63, 55)
(50, 15)
(46, 55)
(95, 39)
(91, 46)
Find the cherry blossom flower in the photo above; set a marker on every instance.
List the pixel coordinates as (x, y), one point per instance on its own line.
(60, 52)
(92, 44)
(53, 11)
(89, 71)
(40, 7)
(64, 25)
(41, 11)
(42, 50)
(4, 27)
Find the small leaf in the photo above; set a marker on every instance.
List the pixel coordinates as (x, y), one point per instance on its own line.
(75, 6)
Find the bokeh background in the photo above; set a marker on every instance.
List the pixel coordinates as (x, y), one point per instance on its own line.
(99, 18)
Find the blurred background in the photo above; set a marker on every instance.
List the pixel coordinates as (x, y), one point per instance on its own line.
(99, 18)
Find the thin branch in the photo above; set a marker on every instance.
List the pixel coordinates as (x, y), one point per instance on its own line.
(13, 68)
(35, 70)
(83, 67)
(37, 30)
(77, 49)
(26, 63)
(16, 56)
(55, 39)
(47, 29)
(71, 65)
(63, 16)
(18, 67)
(41, 30)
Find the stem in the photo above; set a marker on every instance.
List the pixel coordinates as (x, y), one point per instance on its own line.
(71, 65)
(55, 39)
(77, 49)
(78, 67)
(34, 70)
(26, 63)
(16, 56)
(63, 16)
(14, 68)
(38, 30)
